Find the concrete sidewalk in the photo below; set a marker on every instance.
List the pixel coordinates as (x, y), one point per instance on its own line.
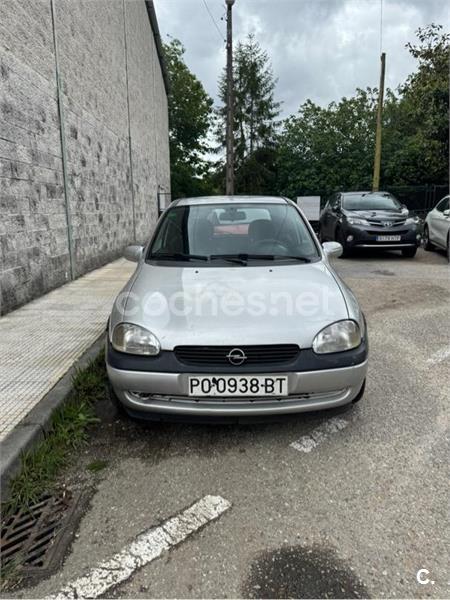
(41, 341)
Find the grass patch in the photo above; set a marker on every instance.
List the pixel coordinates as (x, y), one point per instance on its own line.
(97, 465)
(42, 464)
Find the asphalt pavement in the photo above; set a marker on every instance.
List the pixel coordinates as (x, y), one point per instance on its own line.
(322, 505)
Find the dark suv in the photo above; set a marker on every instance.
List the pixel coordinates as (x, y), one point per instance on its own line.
(369, 220)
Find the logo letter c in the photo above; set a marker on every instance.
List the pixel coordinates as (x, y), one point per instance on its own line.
(420, 579)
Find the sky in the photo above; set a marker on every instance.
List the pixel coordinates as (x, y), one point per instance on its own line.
(320, 49)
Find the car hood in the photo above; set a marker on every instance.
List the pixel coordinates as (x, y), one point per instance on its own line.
(234, 305)
(388, 215)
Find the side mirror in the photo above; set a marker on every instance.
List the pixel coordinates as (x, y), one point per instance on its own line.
(133, 253)
(446, 213)
(332, 249)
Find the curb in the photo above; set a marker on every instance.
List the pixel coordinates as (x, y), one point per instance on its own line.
(38, 421)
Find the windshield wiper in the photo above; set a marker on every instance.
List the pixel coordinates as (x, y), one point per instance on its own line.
(244, 258)
(239, 259)
(304, 259)
(177, 256)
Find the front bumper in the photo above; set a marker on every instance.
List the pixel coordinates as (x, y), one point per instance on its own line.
(167, 393)
(366, 237)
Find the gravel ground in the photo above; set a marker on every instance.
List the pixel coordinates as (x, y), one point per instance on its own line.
(355, 517)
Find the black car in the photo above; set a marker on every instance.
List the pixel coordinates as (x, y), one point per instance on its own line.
(369, 220)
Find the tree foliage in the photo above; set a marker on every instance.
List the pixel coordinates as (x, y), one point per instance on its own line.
(319, 149)
(255, 114)
(259, 172)
(190, 111)
(417, 122)
(324, 149)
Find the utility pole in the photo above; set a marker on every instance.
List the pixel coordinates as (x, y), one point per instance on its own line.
(230, 102)
(377, 162)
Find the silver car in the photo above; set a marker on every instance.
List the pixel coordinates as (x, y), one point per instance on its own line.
(234, 310)
(436, 231)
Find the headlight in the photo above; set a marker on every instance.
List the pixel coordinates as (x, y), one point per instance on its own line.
(354, 221)
(133, 339)
(412, 220)
(338, 337)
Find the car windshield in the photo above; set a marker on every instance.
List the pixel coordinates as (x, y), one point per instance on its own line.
(371, 202)
(443, 204)
(236, 233)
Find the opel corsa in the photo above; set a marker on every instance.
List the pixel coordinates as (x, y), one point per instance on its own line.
(235, 311)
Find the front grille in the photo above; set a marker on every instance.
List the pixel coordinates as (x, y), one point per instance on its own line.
(256, 355)
(379, 222)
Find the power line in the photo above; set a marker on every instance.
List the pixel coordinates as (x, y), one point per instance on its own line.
(222, 37)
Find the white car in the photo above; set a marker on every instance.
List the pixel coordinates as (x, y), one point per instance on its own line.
(437, 227)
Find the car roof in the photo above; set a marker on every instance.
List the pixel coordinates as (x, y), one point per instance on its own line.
(355, 193)
(381, 192)
(225, 199)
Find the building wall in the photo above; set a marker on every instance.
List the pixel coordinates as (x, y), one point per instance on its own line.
(112, 88)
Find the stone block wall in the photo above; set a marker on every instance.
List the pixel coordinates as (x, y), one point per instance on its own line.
(112, 90)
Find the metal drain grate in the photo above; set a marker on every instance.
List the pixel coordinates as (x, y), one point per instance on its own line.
(30, 536)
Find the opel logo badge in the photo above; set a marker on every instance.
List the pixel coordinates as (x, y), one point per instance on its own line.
(236, 357)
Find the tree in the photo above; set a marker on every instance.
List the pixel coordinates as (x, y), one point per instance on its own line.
(331, 148)
(258, 173)
(417, 122)
(323, 149)
(255, 114)
(190, 111)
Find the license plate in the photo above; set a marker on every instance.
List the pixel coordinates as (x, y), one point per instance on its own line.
(243, 385)
(389, 238)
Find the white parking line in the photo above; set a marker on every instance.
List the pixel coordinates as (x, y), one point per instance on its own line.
(308, 442)
(439, 356)
(144, 549)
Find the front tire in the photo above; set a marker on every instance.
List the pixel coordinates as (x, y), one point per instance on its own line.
(426, 239)
(360, 393)
(116, 406)
(340, 238)
(448, 247)
(409, 252)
